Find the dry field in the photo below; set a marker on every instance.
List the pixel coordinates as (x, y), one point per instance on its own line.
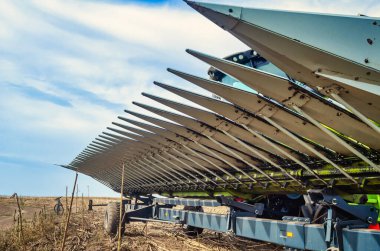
(43, 230)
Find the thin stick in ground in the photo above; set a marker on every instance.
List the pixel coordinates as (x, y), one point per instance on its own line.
(68, 216)
(21, 233)
(121, 208)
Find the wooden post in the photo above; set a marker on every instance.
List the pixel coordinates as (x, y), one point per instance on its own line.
(121, 208)
(76, 201)
(21, 231)
(82, 213)
(68, 216)
(67, 204)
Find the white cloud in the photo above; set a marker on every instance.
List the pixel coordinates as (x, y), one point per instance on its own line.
(161, 29)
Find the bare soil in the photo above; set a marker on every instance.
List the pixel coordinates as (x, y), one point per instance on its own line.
(43, 230)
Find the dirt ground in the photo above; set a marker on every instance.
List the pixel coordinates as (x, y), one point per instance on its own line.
(43, 230)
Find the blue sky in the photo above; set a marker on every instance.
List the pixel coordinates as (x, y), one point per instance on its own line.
(69, 68)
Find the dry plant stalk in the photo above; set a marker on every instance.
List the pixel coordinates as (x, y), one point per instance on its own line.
(68, 216)
(45, 230)
(121, 209)
(19, 220)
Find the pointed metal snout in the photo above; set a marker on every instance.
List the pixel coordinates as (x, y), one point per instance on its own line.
(284, 38)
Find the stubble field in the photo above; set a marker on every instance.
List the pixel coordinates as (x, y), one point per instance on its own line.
(42, 229)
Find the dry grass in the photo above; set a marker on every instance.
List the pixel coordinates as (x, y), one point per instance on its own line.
(161, 236)
(43, 230)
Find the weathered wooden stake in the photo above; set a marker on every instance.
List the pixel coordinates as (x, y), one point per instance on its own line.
(21, 233)
(121, 208)
(76, 200)
(82, 213)
(67, 204)
(68, 216)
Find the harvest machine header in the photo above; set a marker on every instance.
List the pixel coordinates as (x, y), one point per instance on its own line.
(309, 125)
(297, 113)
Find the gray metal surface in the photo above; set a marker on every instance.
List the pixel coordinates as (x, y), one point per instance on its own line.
(289, 93)
(187, 202)
(283, 38)
(290, 234)
(303, 236)
(264, 107)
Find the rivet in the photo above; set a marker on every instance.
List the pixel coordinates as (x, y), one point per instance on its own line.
(369, 220)
(369, 103)
(369, 41)
(366, 61)
(230, 10)
(356, 78)
(374, 23)
(339, 114)
(368, 73)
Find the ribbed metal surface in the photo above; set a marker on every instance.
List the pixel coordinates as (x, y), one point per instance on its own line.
(286, 137)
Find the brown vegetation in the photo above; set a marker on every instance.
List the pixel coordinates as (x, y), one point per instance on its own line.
(43, 230)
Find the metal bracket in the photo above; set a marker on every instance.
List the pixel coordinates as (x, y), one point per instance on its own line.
(244, 118)
(334, 88)
(194, 137)
(299, 99)
(296, 219)
(208, 132)
(145, 200)
(267, 111)
(257, 208)
(224, 126)
(365, 213)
